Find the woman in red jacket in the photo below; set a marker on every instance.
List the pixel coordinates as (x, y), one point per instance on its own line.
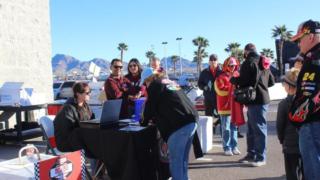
(224, 90)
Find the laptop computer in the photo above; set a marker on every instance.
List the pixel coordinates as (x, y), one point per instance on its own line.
(109, 115)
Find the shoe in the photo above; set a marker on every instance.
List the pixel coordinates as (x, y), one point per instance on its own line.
(240, 135)
(228, 153)
(236, 151)
(246, 159)
(258, 163)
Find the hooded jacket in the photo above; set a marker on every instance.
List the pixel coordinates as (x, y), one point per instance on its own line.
(66, 124)
(256, 69)
(169, 106)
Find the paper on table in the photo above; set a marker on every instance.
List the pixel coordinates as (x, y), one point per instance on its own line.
(132, 128)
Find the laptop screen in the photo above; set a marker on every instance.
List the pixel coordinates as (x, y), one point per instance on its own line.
(110, 111)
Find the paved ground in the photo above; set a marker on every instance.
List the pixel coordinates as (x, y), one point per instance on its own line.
(216, 166)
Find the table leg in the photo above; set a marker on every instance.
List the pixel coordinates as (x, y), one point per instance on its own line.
(19, 125)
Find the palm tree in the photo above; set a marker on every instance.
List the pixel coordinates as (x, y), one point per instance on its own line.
(150, 55)
(235, 51)
(267, 52)
(284, 35)
(232, 46)
(201, 43)
(174, 59)
(122, 47)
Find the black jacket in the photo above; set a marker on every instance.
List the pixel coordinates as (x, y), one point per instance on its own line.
(251, 71)
(287, 133)
(206, 83)
(169, 106)
(66, 124)
(306, 105)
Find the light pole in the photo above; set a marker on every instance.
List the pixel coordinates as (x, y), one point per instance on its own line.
(179, 41)
(165, 54)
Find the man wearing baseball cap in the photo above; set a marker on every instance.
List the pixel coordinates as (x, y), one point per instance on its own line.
(305, 109)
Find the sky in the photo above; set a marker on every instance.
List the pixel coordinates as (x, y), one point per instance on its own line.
(87, 29)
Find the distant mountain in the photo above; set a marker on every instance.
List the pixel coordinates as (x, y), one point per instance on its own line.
(65, 64)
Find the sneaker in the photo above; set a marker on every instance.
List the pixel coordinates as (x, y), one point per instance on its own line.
(246, 159)
(236, 151)
(228, 153)
(240, 135)
(258, 163)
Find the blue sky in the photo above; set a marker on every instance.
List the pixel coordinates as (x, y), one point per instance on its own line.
(88, 29)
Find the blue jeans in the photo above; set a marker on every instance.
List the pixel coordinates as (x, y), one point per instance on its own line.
(309, 145)
(257, 131)
(179, 144)
(229, 133)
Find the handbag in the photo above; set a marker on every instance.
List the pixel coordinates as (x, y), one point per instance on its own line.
(245, 95)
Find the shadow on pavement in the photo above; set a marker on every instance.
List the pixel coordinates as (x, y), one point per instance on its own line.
(283, 177)
(224, 164)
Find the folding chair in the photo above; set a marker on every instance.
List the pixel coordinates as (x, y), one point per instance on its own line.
(46, 125)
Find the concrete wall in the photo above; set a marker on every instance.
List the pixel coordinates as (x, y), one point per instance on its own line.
(25, 45)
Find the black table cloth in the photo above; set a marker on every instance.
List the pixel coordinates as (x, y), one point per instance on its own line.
(126, 155)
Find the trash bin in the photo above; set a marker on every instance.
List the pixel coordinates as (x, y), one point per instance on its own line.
(138, 107)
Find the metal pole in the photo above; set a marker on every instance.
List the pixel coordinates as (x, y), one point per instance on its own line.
(179, 41)
(165, 54)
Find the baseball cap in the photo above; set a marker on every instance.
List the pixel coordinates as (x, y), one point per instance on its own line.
(291, 77)
(232, 61)
(306, 27)
(213, 57)
(147, 72)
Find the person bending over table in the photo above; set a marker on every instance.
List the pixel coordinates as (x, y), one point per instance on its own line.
(67, 120)
(175, 117)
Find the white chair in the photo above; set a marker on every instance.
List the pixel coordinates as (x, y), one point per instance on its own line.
(46, 125)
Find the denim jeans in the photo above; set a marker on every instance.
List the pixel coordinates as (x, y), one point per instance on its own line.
(309, 145)
(229, 133)
(179, 144)
(257, 131)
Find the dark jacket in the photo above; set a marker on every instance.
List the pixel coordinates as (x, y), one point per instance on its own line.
(66, 124)
(287, 133)
(169, 106)
(306, 105)
(206, 83)
(251, 71)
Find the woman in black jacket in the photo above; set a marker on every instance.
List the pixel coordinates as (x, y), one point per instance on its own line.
(66, 122)
(175, 117)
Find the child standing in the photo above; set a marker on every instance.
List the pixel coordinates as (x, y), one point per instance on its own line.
(287, 133)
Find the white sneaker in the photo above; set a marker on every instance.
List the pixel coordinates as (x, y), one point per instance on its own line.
(258, 163)
(236, 151)
(228, 153)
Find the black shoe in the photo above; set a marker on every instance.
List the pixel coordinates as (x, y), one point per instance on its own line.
(247, 159)
(240, 135)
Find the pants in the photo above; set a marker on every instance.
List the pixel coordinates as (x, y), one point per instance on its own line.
(293, 166)
(229, 133)
(309, 145)
(257, 131)
(179, 144)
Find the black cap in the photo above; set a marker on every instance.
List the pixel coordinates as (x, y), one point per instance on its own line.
(307, 27)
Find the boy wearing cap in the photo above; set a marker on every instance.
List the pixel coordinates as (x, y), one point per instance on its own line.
(175, 117)
(305, 109)
(287, 133)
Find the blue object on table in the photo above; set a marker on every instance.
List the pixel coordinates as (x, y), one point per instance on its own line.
(138, 105)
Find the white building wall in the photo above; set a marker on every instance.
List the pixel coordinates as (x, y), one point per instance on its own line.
(25, 45)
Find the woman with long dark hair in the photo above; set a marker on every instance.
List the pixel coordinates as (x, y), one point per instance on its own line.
(134, 89)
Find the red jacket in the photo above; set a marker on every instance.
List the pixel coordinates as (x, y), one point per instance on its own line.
(223, 89)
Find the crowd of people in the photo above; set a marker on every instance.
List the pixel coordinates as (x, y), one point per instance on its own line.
(169, 109)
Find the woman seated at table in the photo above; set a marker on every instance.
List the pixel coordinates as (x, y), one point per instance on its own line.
(135, 91)
(175, 117)
(67, 120)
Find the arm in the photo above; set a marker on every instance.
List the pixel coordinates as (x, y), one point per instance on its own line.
(151, 103)
(271, 81)
(113, 91)
(282, 116)
(202, 84)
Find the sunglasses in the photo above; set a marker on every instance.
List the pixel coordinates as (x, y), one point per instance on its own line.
(133, 65)
(212, 59)
(87, 93)
(117, 67)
